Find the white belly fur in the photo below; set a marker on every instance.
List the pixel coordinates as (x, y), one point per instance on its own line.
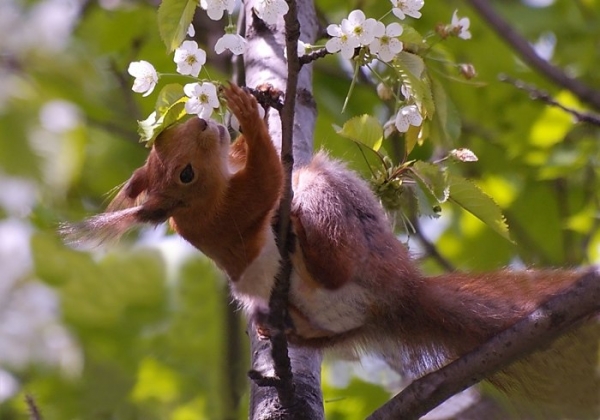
(332, 310)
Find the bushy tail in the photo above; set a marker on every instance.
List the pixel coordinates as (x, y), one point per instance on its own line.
(556, 381)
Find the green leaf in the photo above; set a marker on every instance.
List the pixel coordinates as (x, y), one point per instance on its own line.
(168, 96)
(174, 18)
(365, 130)
(412, 63)
(467, 195)
(412, 137)
(410, 36)
(170, 108)
(434, 178)
(446, 125)
(427, 204)
(412, 71)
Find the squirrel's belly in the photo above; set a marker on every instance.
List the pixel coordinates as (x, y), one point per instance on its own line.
(337, 311)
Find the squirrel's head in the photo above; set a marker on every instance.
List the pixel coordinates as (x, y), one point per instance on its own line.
(187, 167)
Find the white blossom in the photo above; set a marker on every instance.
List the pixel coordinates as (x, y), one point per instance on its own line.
(403, 8)
(232, 42)
(386, 44)
(145, 75)
(463, 155)
(384, 92)
(302, 47)
(407, 115)
(353, 32)
(270, 10)
(460, 26)
(215, 8)
(202, 99)
(341, 41)
(389, 127)
(191, 31)
(359, 27)
(189, 58)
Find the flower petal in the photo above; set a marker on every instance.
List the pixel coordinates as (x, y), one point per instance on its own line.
(394, 29)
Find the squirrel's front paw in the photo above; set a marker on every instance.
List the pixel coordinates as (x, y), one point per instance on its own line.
(260, 319)
(242, 104)
(264, 329)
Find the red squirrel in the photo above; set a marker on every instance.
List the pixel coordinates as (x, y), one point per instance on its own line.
(353, 285)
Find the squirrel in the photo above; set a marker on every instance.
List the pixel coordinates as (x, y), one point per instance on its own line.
(354, 284)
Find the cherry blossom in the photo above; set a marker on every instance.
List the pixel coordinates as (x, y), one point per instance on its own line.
(302, 47)
(215, 8)
(270, 10)
(189, 58)
(389, 127)
(386, 44)
(407, 115)
(460, 26)
(191, 31)
(145, 75)
(359, 27)
(406, 91)
(203, 99)
(384, 92)
(467, 70)
(341, 41)
(403, 8)
(232, 42)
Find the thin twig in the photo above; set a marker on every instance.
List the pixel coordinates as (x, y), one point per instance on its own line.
(267, 96)
(545, 324)
(540, 95)
(524, 49)
(34, 411)
(430, 248)
(313, 56)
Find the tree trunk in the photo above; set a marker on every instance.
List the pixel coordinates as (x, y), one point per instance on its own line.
(265, 63)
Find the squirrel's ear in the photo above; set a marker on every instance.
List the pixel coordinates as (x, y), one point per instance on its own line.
(129, 195)
(137, 183)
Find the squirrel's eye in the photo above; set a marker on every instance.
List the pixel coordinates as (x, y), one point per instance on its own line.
(187, 175)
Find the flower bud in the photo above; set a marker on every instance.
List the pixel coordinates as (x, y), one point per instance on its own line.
(384, 92)
(467, 70)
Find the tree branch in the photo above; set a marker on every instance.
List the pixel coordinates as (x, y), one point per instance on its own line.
(538, 329)
(265, 63)
(34, 411)
(278, 304)
(313, 56)
(540, 95)
(430, 248)
(522, 47)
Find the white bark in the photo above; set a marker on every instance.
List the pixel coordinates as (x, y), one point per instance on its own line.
(265, 63)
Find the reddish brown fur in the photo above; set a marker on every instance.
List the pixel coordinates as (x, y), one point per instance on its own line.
(346, 245)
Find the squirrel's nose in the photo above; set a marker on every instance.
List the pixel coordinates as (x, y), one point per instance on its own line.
(196, 124)
(202, 124)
